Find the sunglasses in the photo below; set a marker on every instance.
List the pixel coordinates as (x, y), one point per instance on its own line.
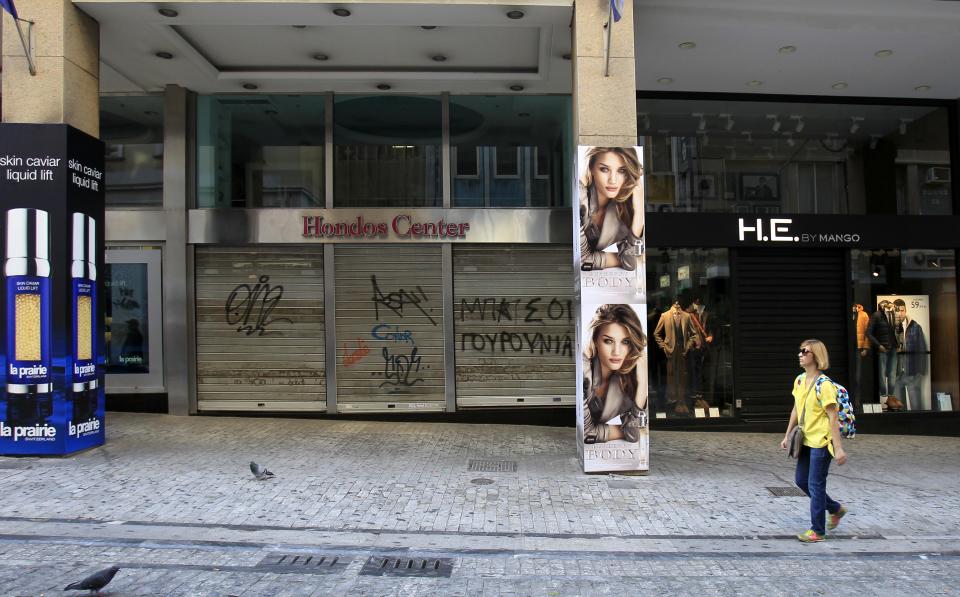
(805, 351)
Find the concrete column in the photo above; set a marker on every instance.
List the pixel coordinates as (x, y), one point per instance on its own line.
(604, 108)
(66, 88)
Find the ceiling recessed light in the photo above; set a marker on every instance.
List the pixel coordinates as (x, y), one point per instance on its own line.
(687, 45)
(438, 58)
(839, 85)
(754, 83)
(922, 88)
(516, 88)
(164, 55)
(428, 27)
(321, 57)
(168, 12)
(883, 53)
(787, 49)
(566, 56)
(383, 87)
(665, 80)
(341, 12)
(515, 14)
(251, 86)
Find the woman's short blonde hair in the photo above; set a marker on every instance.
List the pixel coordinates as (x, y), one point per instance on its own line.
(819, 351)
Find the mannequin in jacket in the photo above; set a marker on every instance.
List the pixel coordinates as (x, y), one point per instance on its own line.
(675, 335)
(912, 353)
(881, 332)
(861, 320)
(703, 339)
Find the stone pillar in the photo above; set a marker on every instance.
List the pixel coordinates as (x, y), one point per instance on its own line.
(604, 108)
(66, 50)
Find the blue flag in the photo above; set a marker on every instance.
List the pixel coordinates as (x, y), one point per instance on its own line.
(615, 5)
(8, 6)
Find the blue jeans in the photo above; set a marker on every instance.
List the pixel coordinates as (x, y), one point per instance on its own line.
(812, 468)
(888, 372)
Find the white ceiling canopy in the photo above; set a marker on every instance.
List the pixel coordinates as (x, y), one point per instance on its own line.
(871, 48)
(287, 47)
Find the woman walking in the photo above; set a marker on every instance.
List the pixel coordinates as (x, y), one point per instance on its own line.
(816, 412)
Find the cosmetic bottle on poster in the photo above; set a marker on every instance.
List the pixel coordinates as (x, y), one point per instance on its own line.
(26, 272)
(83, 301)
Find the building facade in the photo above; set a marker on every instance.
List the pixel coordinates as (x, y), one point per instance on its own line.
(365, 207)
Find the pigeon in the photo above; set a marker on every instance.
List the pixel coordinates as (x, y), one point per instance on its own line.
(95, 581)
(259, 472)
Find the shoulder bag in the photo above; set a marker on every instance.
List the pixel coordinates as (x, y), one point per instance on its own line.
(795, 439)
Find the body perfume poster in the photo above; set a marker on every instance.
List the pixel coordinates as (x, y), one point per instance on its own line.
(612, 412)
(51, 181)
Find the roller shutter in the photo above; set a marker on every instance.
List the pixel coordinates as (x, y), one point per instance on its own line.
(260, 328)
(514, 325)
(784, 296)
(390, 352)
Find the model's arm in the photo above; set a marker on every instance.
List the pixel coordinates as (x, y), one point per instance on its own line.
(871, 328)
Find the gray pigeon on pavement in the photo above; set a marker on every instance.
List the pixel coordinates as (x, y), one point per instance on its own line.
(95, 581)
(260, 472)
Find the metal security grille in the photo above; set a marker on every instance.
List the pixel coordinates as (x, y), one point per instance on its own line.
(299, 563)
(514, 325)
(492, 466)
(786, 491)
(390, 352)
(398, 566)
(782, 298)
(260, 328)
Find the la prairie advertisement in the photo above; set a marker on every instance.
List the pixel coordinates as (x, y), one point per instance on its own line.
(612, 410)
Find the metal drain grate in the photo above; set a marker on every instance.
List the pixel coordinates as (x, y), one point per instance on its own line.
(393, 566)
(786, 491)
(299, 563)
(492, 466)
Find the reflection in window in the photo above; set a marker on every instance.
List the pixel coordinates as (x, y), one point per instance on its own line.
(260, 151)
(905, 316)
(387, 151)
(131, 128)
(756, 157)
(127, 324)
(688, 306)
(520, 148)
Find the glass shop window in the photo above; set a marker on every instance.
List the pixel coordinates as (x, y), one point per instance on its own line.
(131, 128)
(260, 151)
(689, 332)
(754, 157)
(905, 317)
(387, 151)
(510, 151)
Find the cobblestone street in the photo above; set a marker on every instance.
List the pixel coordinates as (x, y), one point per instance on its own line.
(171, 500)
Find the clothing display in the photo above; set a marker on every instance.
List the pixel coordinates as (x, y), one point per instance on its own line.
(594, 239)
(676, 336)
(912, 364)
(862, 321)
(881, 333)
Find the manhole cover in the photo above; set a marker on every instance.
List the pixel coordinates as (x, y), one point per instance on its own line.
(298, 563)
(394, 566)
(482, 481)
(492, 466)
(786, 491)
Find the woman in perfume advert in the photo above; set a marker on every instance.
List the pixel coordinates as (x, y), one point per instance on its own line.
(614, 376)
(611, 208)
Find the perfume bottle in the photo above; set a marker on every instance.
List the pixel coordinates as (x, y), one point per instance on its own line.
(27, 278)
(83, 282)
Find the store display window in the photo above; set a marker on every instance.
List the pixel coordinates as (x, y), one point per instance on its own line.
(905, 317)
(387, 151)
(260, 151)
(771, 157)
(510, 150)
(691, 348)
(131, 127)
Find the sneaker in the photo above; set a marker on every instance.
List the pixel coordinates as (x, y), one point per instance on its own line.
(834, 519)
(811, 537)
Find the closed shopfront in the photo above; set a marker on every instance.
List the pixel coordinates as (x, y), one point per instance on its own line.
(260, 328)
(389, 328)
(514, 325)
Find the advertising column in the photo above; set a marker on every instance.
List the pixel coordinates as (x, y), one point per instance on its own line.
(51, 193)
(612, 413)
